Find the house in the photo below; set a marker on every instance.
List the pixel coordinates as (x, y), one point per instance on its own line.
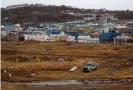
(9, 26)
(89, 18)
(130, 25)
(29, 24)
(32, 35)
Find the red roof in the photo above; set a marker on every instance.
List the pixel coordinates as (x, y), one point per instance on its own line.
(123, 24)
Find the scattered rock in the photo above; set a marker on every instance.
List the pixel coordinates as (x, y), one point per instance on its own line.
(61, 59)
(4, 71)
(9, 75)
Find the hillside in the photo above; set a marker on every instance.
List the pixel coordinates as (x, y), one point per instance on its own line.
(38, 14)
(52, 14)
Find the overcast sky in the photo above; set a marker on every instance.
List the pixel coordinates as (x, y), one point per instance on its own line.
(96, 4)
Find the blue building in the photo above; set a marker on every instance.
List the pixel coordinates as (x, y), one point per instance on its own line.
(53, 31)
(109, 35)
(9, 26)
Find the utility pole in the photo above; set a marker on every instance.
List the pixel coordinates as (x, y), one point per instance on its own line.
(114, 40)
(76, 35)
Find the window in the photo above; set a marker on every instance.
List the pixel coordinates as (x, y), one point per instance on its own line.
(89, 64)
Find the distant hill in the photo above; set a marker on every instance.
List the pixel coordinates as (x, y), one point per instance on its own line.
(51, 14)
(38, 14)
(124, 15)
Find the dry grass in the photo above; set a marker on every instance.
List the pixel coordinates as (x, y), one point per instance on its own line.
(37, 49)
(47, 65)
(38, 53)
(109, 68)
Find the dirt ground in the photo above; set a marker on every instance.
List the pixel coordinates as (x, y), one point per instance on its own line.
(69, 87)
(24, 58)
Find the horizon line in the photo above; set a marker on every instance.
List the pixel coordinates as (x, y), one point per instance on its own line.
(68, 6)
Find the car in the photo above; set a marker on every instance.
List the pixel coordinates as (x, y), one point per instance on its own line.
(90, 66)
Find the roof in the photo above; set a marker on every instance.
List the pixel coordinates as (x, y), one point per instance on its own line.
(91, 62)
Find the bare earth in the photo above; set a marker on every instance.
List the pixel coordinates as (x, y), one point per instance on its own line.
(69, 87)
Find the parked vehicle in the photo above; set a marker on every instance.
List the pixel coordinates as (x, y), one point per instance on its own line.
(90, 66)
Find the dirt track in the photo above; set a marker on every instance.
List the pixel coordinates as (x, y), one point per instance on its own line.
(69, 87)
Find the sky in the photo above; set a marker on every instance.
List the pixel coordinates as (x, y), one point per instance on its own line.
(87, 4)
